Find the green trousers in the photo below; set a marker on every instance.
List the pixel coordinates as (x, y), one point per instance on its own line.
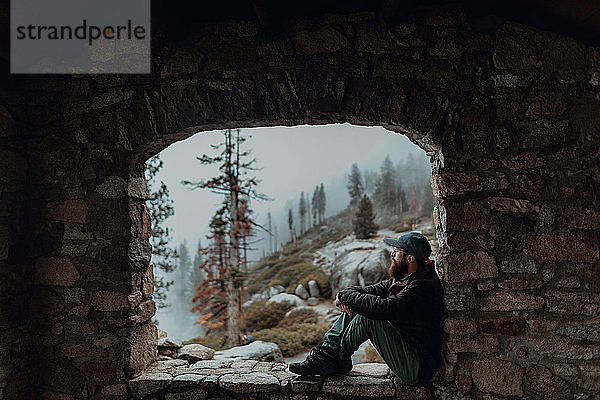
(350, 331)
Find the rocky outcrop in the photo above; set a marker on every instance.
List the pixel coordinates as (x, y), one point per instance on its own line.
(290, 298)
(302, 292)
(313, 289)
(265, 294)
(354, 262)
(259, 350)
(249, 379)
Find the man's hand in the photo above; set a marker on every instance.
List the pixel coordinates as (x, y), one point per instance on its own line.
(337, 300)
(343, 308)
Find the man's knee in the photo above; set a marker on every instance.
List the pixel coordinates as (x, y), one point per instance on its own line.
(366, 322)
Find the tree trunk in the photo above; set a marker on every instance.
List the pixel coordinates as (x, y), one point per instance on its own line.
(233, 314)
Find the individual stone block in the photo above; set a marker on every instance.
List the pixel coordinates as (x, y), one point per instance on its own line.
(545, 133)
(509, 326)
(581, 218)
(67, 211)
(459, 297)
(186, 381)
(506, 204)
(323, 40)
(194, 394)
(253, 382)
(55, 271)
(305, 384)
(566, 349)
(511, 54)
(498, 376)
(345, 385)
(408, 391)
(564, 55)
(138, 187)
(373, 40)
(302, 292)
(589, 332)
(460, 326)
(113, 187)
(195, 352)
(312, 301)
(258, 350)
(110, 97)
(211, 364)
(169, 346)
(543, 385)
(108, 300)
(469, 216)
(470, 266)
(520, 284)
(478, 345)
(519, 264)
(149, 383)
(143, 347)
(375, 370)
(313, 288)
(512, 301)
(585, 303)
(170, 366)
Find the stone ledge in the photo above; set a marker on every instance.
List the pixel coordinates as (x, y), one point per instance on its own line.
(249, 379)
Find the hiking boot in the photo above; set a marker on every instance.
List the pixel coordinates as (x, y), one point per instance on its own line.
(323, 361)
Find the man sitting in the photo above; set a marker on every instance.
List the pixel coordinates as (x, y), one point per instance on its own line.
(402, 316)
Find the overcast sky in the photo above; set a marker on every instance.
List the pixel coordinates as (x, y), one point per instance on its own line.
(293, 160)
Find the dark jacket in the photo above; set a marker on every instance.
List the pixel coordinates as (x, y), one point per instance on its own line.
(414, 305)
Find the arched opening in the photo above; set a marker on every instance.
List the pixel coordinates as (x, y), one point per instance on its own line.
(291, 163)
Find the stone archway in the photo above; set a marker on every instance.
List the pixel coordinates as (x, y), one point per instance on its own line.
(509, 116)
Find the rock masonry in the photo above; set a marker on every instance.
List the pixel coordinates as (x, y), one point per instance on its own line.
(251, 379)
(509, 115)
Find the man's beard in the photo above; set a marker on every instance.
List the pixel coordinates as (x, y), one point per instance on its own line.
(398, 270)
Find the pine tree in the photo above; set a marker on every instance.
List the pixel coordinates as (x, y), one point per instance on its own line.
(160, 208)
(198, 274)
(364, 221)
(184, 284)
(315, 205)
(386, 194)
(322, 202)
(414, 208)
(237, 189)
(270, 232)
(291, 226)
(302, 212)
(370, 180)
(429, 201)
(355, 185)
(210, 294)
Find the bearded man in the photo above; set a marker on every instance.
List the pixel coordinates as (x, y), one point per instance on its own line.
(402, 316)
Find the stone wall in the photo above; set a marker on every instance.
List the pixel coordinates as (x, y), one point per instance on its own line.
(508, 114)
(251, 379)
(15, 278)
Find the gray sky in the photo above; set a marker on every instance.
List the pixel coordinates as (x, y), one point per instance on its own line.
(293, 160)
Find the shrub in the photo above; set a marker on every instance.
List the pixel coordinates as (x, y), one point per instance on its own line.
(212, 340)
(262, 315)
(300, 316)
(293, 339)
